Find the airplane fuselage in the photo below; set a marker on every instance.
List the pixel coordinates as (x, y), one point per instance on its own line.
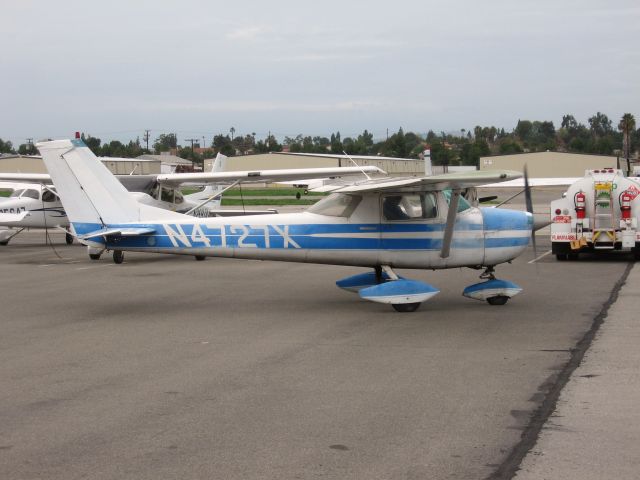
(482, 236)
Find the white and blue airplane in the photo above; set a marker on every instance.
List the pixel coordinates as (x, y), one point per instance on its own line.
(381, 224)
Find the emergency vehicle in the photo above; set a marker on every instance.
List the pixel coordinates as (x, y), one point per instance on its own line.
(597, 213)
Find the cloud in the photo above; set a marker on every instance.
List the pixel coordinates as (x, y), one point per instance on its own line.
(247, 33)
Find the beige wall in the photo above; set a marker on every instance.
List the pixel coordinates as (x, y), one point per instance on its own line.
(22, 165)
(271, 161)
(548, 164)
(121, 167)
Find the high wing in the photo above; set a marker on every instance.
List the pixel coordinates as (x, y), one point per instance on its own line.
(241, 176)
(263, 176)
(26, 177)
(534, 182)
(454, 181)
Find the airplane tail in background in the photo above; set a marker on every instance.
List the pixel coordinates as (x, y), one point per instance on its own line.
(89, 192)
(210, 190)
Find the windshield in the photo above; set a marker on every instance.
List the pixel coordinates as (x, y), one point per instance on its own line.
(462, 202)
(336, 205)
(17, 193)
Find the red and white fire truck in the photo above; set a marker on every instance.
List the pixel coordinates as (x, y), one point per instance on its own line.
(597, 213)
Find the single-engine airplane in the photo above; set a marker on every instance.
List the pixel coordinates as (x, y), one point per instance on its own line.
(381, 224)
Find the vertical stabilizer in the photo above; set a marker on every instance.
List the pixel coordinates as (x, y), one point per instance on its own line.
(210, 190)
(89, 192)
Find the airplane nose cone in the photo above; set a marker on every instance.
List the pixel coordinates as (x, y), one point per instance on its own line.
(505, 219)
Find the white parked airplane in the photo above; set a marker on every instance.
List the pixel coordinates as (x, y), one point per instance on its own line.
(37, 205)
(420, 223)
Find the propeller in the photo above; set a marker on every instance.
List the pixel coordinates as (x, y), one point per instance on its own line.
(529, 206)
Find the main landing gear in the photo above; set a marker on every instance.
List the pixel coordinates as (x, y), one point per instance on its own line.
(493, 290)
(384, 286)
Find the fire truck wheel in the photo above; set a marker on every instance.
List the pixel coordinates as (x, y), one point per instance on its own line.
(561, 256)
(572, 256)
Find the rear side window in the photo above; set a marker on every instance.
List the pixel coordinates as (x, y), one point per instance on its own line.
(336, 205)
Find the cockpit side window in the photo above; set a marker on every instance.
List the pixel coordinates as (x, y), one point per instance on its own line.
(179, 198)
(166, 195)
(31, 193)
(409, 206)
(462, 202)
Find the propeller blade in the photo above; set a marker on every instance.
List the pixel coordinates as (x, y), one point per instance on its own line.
(529, 205)
(451, 220)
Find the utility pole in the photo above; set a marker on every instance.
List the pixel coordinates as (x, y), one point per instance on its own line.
(145, 137)
(192, 140)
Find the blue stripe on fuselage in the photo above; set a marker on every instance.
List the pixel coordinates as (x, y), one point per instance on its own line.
(294, 236)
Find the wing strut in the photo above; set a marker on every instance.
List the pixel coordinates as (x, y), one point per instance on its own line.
(451, 220)
(212, 197)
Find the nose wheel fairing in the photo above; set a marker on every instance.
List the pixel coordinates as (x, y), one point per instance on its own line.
(494, 291)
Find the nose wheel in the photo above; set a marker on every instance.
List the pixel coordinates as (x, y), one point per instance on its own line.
(118, 256)
(493, 290)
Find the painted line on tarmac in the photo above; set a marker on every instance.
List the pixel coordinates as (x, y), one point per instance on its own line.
(89, 267)
(62, 262)
(539, 257)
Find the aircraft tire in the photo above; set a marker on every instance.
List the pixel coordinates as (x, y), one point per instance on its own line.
(4, 242)
(405, 307)
(200, 257)
(118, 256)
(94, 256)
(497, 300)
(68, 238)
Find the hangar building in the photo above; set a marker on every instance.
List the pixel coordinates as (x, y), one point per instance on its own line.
(119, 166)
(549, 164)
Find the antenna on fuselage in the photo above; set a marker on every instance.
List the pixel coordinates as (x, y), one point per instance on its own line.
(354, 162)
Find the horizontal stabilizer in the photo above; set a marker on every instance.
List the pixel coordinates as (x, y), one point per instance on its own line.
(10, 218)
(122, 231)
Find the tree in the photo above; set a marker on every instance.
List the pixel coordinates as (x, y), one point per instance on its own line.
(222, 144)
(27, 149)
(627, 125)
(600, 125)
(93, 143)
(6, 146)
(336, 143)
(569, 122)
(165, 142)
(523, 129)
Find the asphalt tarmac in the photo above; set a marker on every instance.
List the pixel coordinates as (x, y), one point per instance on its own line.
(165, 367)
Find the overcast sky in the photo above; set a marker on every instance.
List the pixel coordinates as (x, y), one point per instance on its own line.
(113, 69)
